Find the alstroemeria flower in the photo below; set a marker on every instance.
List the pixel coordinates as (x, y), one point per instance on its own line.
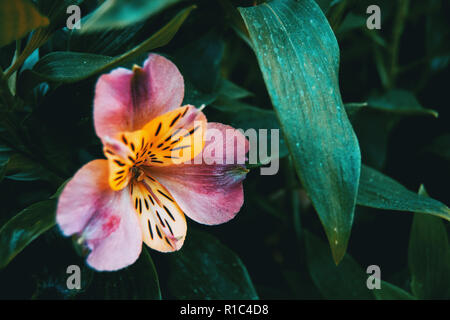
(142, 191)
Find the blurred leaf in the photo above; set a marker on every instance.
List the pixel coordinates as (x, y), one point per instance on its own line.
(390, 291)
(235, 20)
(17, 18)
(56, 11)
(136, 282)
(122, 13)
(109, 42)
(400, 102)
(3, 166)
(301, 77)
(23, 228)
(345, 281)
(440, 146)
(231, 90)
(21, 168)
(429, 257)
(373, 128)
(437, 33)
(351, 22)
(199, 63)
(379, 191)
(326, 5)
(74, 66)
(374, 121)
(205, 269)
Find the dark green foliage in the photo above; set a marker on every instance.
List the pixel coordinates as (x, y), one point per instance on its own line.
(363, 118)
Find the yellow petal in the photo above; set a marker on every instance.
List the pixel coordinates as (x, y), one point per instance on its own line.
(162, 221)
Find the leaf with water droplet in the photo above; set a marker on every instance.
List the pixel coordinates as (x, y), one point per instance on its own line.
(307, 112)
(429, 257)
(379, 191)
(65, 66)
(23, 228)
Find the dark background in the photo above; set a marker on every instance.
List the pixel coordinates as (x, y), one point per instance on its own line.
(262, 234)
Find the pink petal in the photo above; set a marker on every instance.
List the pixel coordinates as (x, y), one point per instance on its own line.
(103, 218)
(125, 100)
(208, 193)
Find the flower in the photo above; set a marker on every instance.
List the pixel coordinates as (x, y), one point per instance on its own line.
(151, 176)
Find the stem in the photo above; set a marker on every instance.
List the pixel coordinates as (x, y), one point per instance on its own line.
(337, 14)
(381, 68)
(37, 39)
(55, 174)
(13, 78)
(399, 26)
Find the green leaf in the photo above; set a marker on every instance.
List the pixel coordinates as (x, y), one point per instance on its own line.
(429, 258)
(56, 11)
(373, 128)
(111, 42)
(205, 269)
(374, 120)
(440, 146)
(122, 13)
(20, 168)
(299, 58)
(138, 281)
(17, 18)
(199, 63)
(235, 21)
(399, 102)
(390, 291)
(231, 90)
(70, 67)
(379, 191)
(60, 189)
(326, 5)
(345, 281)
(23, 228)
(351, 22)
(3, 166)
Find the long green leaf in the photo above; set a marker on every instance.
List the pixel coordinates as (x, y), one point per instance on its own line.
(390, 291)
(74, 66)
(299, 58)
(205, 269)
(23, 228)
(3, 166)
(17, 18)
(400, 102)
(429, 257)
(122, 13)
(379, 191)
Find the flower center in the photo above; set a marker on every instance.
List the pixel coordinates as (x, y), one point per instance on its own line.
(137, 174)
